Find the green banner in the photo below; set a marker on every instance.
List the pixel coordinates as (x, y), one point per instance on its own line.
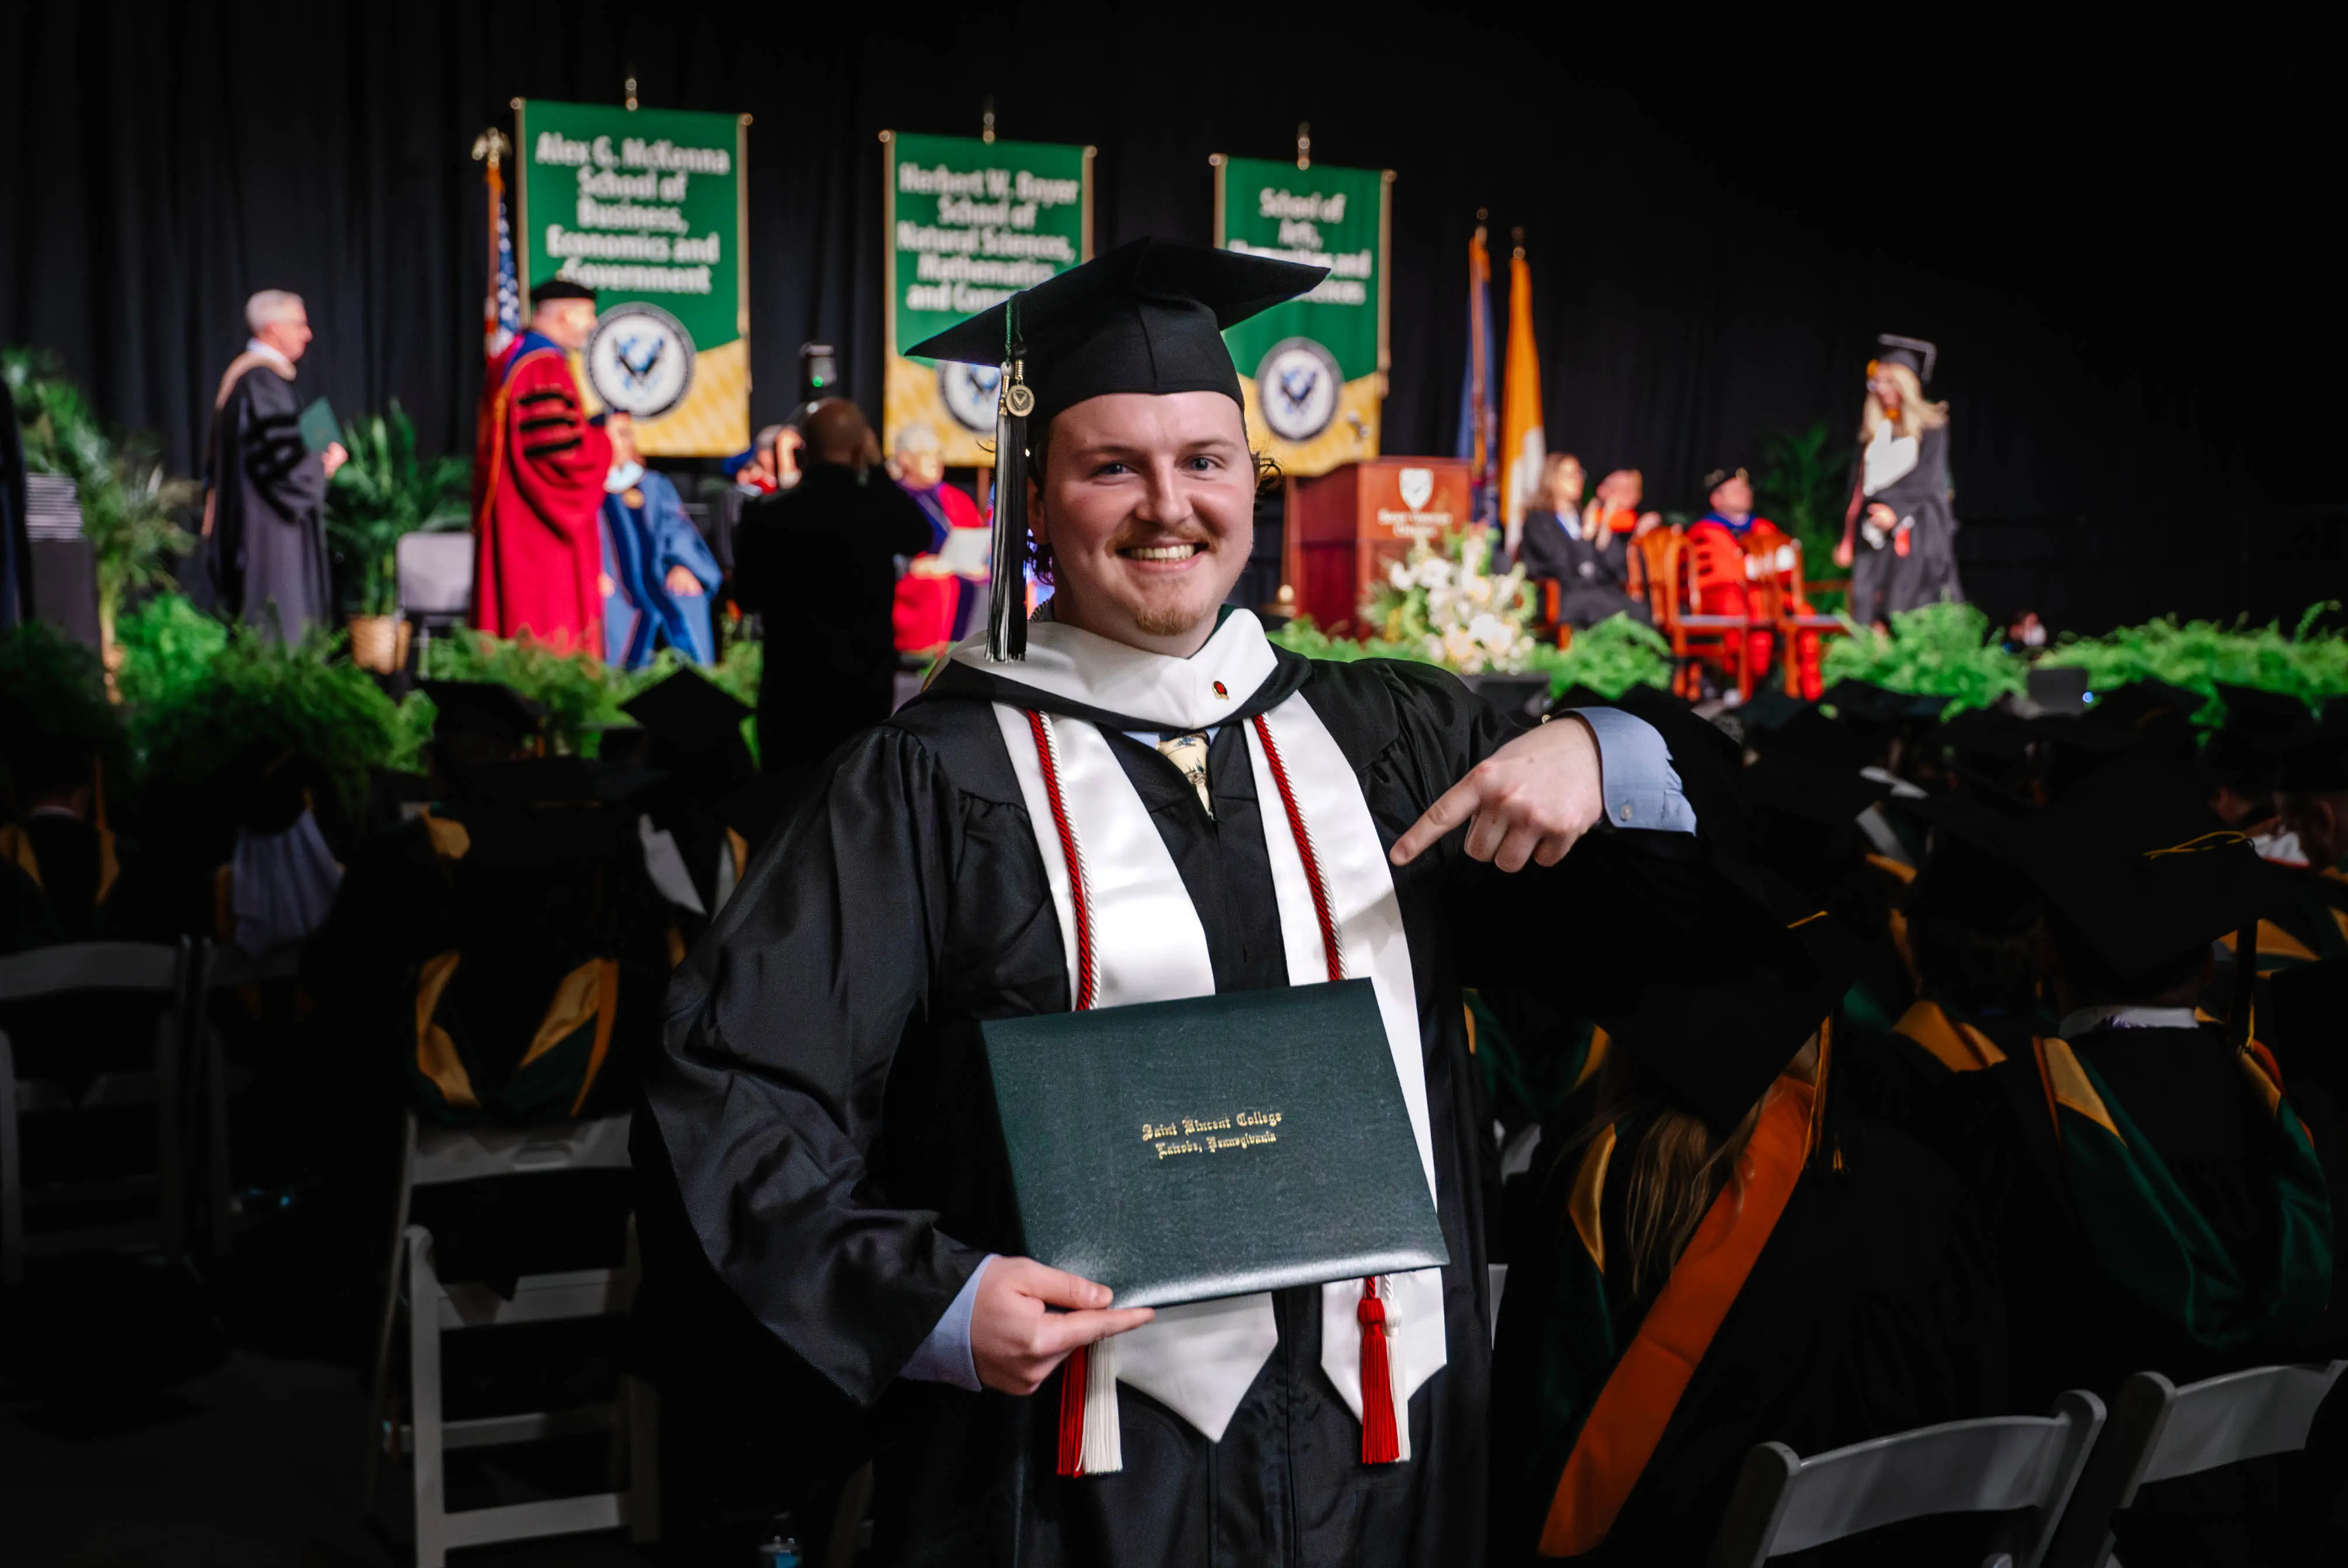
(645, 207)
(969, 223)
(1313, 370)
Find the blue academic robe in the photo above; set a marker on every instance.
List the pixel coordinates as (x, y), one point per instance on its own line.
(640, 543)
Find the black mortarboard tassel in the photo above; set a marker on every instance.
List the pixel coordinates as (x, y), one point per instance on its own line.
(1007, 606)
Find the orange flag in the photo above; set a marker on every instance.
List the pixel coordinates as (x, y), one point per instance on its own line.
(1522, 443)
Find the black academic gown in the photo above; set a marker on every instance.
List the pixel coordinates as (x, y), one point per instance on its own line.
(2073, 1329)
(823, 1105)
(1883, 581)
(268, 492)
(1873, 1309)
(1592, 583)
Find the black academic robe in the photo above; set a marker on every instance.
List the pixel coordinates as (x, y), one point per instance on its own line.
(1883, 581)
(2071, 1326)
(1873, 1309)
(824, 1107)
(1592, 583)
(2073, 1329)
(268, 502)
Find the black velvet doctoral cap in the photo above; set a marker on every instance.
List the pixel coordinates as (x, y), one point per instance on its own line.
(1147, 317)
(2136, 862)
(689, 711)
(554, 289)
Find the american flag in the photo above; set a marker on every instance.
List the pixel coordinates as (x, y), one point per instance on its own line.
(502, 306)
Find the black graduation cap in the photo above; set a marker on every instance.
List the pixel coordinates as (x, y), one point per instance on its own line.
(1147, 317)
(1797, 787)
(1970, 875)
(1985, 752)
(2259, 727)
(1913, 352)
(1721, 1036)
(554, 289)
(2137, 863)
(483, 708)
(689, 711)
(2314, 757)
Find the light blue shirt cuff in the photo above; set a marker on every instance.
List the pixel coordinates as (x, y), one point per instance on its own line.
(1643, 789)
(946, 1356)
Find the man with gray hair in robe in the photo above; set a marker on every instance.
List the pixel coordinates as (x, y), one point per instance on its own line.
(264, 514)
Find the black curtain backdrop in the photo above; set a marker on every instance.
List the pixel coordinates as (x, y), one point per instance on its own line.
(1709, 264)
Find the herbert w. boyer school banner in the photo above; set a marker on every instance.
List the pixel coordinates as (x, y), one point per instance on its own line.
(969, 222)
(645, 207)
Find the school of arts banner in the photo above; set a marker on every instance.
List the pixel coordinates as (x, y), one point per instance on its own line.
(1313, 371)
(645, 207)
(969, 223)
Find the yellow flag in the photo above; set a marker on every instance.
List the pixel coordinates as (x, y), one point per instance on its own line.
(1522, 445)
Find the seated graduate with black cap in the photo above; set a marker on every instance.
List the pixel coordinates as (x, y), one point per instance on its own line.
(694, 855)
(1733, 1254)
(1135, 798)
(505, 945)
(2156, 1199)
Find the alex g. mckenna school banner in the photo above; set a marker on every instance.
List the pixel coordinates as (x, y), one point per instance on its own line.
(1313, 371)
(645, 207)
(969, 222)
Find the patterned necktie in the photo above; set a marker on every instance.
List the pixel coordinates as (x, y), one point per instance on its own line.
(1188, 752)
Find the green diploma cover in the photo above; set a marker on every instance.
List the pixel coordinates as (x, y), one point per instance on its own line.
(1214, 1146)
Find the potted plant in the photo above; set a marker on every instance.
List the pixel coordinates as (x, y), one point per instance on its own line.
(382, 491)
(130, 505)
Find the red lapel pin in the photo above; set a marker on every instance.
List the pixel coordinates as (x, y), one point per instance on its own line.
(1220, 691)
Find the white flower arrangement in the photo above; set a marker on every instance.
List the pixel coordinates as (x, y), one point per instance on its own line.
(1447, 601)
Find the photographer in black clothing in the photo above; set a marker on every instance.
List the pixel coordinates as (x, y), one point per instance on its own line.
(821, 562)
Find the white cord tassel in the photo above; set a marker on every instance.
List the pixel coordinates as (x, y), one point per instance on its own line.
(1104, 1445)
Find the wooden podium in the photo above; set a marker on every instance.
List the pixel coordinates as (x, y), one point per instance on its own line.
(1345, 528)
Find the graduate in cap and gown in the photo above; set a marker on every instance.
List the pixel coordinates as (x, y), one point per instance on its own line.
(694, 856)
(1135, 798)
(2157, 1194)
(1717, 1254)
(539, 468)
(1899, 534)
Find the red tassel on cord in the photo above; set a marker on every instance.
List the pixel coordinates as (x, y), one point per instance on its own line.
(1380, 1443)
(1072, 1412)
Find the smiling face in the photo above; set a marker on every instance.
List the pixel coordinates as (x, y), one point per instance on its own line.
(1148, 505)
(1734, 497)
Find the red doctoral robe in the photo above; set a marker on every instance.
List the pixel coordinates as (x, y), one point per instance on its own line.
(539, 470)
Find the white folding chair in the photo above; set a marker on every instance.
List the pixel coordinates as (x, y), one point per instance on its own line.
(2023, 1467)
(2160, 1431)
(435, 1155)
(170, 974)
(434, 574)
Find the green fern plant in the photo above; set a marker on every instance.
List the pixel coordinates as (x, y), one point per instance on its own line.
(382, 491)
(130, 503)
(1938, 651)
(2309, 663)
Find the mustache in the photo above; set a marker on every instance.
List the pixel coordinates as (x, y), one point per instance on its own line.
(1136, 536)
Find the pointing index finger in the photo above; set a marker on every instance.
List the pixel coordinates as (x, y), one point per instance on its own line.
(1451, 808)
